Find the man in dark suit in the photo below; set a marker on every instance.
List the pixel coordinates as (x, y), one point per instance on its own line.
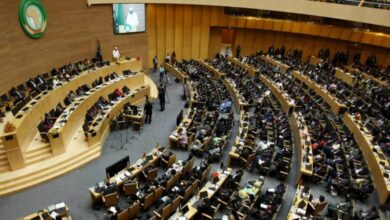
(148, 111)
(161, 96)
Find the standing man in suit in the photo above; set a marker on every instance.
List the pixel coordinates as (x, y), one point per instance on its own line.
(161, 96)
(155, 63)
(148, 108)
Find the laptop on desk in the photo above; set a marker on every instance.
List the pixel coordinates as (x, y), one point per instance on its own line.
(149, 157)
(203, 194)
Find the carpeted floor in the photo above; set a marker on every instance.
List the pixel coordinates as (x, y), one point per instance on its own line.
(73, 187)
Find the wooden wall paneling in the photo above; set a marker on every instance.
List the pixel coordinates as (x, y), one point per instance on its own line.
(160, 30)
(152, 35)
(308, 47)
(356, 36)
(306, 28)
(378, 40)
(287, 26)
(205, 32)
(170, 28)
(223, 19)
(386, 42)
(214, 16)
(325, 30)
(179, 31)
(259, 24)
(251, 23)
(259, 41)
(268, 39)
(232, 21)
(380, 54)
(296, 27)
(368, 37)
(72, 32)
(187, 33)
(268, 24)
(278, 39)
(215, 41)
(278, 24)
(315, 29)
(241, 22)
(346, 34)
(239, 40)
(248, 44)
(196, 22)
(335, 32)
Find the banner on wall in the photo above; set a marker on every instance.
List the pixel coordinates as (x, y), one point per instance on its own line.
(32, 18)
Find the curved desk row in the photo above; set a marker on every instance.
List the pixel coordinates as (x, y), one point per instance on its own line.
(302, 141)
(346, 77)
(367, 76)
(315, 61)
(176, 72)
(217, 73)
(335, 105)
(284, 99)
(78, 152)
(242, 134)
(252, 71)
(238, 100)
(375, 159)
(17, 141)
(283, 67)
(63, 131)
(100, 130)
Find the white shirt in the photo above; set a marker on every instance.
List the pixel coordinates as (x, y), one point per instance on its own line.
(132, 20)
(116, 54)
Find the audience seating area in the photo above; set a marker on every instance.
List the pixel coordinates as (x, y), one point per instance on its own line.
(98, 91)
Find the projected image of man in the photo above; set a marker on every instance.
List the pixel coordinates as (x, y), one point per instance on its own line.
(131, 21)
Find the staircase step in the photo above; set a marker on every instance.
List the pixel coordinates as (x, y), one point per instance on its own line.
(38, 158)
(38, 152)
(3, 156)
(4, 169)
(3, 163)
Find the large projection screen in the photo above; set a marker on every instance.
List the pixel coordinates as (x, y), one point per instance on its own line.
(128, 18)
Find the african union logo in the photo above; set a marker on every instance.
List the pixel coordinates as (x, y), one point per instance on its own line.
(32, 18)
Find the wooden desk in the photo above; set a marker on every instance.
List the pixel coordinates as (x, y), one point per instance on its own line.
(185, 123)
(48, 211)
(217, 73)
(367, 76)
(299, 197)
(192, 210)
(182, 76)
(328, 98)
(315, 61)
(65, 129)
(242, 133)
(252, 71)
(302, 140)
(375, 161)
(100, 130)
(27, 120)
(126, 174)
(346, 77)
(283, 67)
(237, 98)
(284, 99)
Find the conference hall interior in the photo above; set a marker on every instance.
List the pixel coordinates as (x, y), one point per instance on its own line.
(193, 110)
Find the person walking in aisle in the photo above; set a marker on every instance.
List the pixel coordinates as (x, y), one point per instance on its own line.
(148, 111)
(155, 63)
(161, 96)
(162, 71)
